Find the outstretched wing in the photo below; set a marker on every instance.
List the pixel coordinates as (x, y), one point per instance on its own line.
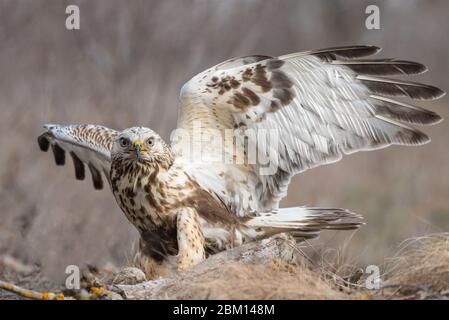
(87, 145)
(321, 105)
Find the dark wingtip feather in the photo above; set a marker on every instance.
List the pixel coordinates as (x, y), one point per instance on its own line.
(79, 166)
(442, 93)
(44, 143)
(383, 66)
(401, 134)
(349, 52)
(427, 92)
(410, 67)
(358, 51)
(425, 117)
(404, 112)
(413, 137)
(392, 87)
(96, 177)
(59, 154)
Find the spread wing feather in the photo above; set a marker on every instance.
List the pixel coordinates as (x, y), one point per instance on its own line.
(322, 104)
(87, 145)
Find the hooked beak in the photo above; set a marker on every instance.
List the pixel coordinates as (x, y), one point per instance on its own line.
(138, 148)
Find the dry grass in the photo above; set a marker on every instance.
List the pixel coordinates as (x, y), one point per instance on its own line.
(249, 281)
(420, 270)
(421, 267)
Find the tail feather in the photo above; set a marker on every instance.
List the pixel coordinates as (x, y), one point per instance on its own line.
(304, 222)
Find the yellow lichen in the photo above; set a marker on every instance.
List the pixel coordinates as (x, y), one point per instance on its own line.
(46, 296)
(60, 297)
(97, 291)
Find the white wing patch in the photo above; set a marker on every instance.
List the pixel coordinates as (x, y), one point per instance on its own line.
(322, 104)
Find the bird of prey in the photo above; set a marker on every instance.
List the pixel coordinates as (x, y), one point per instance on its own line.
(204, 193)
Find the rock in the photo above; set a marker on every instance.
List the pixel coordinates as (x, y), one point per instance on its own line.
(129, 276)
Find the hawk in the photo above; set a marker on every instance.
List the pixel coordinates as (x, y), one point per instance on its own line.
(284, 115)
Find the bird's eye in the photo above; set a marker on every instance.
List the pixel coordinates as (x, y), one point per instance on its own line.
(123, 142)
(150, 142)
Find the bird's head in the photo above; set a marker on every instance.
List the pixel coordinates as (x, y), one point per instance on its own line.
(142, 146)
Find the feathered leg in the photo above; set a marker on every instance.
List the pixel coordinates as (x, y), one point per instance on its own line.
(190, 239)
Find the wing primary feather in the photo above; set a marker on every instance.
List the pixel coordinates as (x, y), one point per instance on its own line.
(404, 112)
(348, 52)
(87, 144)
(59, 154)
(407, 135)
(383, 66)
(79, 166)
(96, 177)
(393, 87)
(43, 142)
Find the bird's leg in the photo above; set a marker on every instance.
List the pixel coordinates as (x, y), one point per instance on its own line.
(190, 239)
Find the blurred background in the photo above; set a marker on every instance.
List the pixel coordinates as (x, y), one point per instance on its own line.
(125, 67)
